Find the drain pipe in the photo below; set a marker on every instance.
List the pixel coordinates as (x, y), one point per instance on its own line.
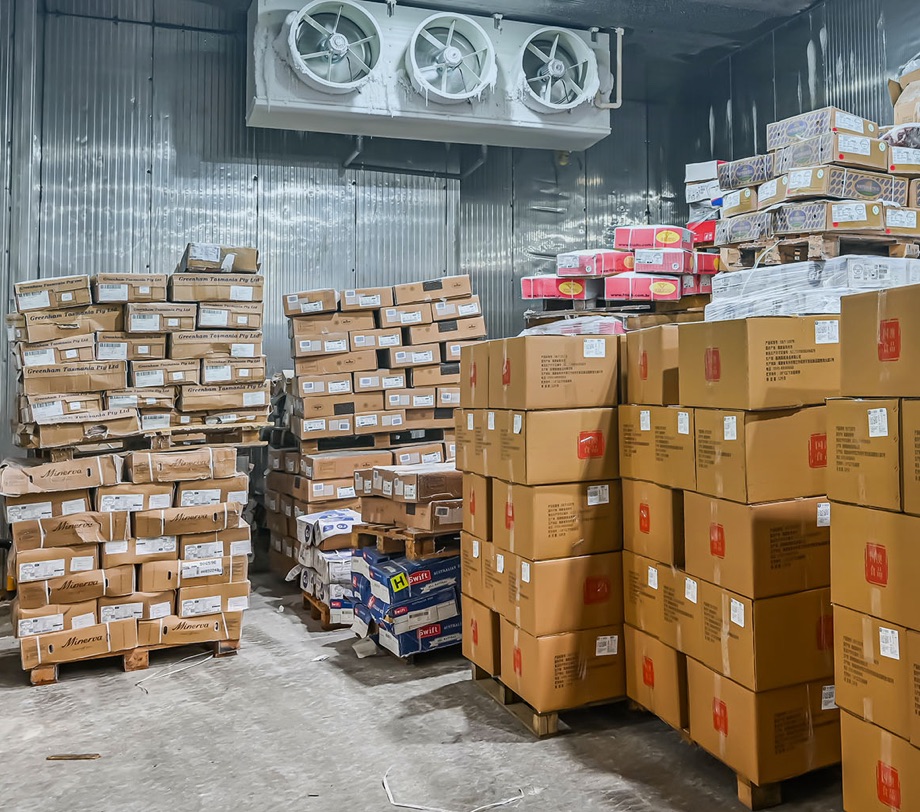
(359, 148)
(480, 162)
(611, 105)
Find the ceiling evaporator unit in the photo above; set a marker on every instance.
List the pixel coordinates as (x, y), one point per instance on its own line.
(360, 67)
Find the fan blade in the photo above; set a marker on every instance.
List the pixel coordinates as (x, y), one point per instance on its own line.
(321, 28)
(428, 69)
(538, 53)
(476, 76)
(552, 53)
(362, 41)
(450, 32)
(537, 79)
(361, 62)
(313, 56)
(476, 53)
(570, 85)
(463, 79)
(576, 65)
(430, 37)
(338, 17)
(444, 81)
(548, 91)
(351, 71)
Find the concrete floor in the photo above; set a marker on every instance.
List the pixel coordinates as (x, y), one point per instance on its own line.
(275, 729)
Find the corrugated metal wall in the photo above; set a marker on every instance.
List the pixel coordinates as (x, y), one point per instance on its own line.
(6, 133)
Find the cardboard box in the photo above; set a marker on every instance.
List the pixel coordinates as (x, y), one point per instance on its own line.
(53, 562)
(163, 575)
(44, 408)
(151, 397)
(440, 375)
(341, 464)
(200, 256)
(52, 294)
(820, 216)
(767, 736)
(905, 161)
(744, 228)
(451, 330)
(657, 443)
(375, 339)
(67, 646)
(760, 363)
(77, 528)
(367, 299)
(447, 287)
(54, 618)
(761, 550)
(163, 373)
(563, 671)
(379, 422)
(425, 483)
(406, 315)
(330, 323)
(194, 601)
(557, 521)
(237, 396)
(213, 491)
(642, 287)
(542, 448)
(477, 506)
(330, 384)
(560, 287)
(130, 287)
(653, 370)
(450, 309)
(230, 315)
(746, 172)
(182, 521)
(594, 262)
(321, 427)
(207, 343)
(414, 356)
(62, 351)
(844, 184)
(419, 454)
(380, 380)
(49, 325)
(433, 636)
(89, 376)
(173, 466)
(46, 505)
(864, 465)
(842, 149)
(19, 477)
(364, 361)
(310, 301)
(910, 456)
(653, 521)
(441, 515)
(77, 587)
(472, 577)
(475, 375)
(175, 631)
(132, 497)
(232, 370)
(656, 678)
(137, 606)
(321, 345)
(216, 287)
(761, 456)
(85, 428)
(447, 396)
(818, 122)
(424, 399)
(130, 347)
(138, 551)
(741, 201)
(879, 769)
(160, 317)
(552, 372)
(661, 236)
(481, 635)
(234, 541)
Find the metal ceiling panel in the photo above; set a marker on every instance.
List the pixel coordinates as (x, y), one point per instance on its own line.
(129, 10)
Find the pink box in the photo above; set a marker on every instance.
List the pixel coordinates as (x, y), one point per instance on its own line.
(594, 262)
(642, 287)
(696, 285)
(704, 233)
(664, 260)
(706, 263)
(554, 287)
(652, 237)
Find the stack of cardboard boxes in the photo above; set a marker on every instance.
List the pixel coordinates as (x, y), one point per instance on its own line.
(542, 540)
(727, 538)
(115, 552)
(874, 482)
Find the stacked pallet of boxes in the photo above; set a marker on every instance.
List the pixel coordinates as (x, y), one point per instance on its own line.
(704, 198)
(541, 548)
(874, 482)
(727, 532)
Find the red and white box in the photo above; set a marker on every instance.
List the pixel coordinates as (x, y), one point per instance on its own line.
(701, 285)
(554, 287)
(704, 233)
(642, 287)
(594, 262)
(631, 237)
(706, 264)
(664, 260)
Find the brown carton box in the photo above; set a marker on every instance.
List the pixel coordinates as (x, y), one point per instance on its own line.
(232, 370)
(163, 373)
(880, 770)
(132, 496)
(766, 736)
(761, 456)
(746, 172)
(364, 361)
(230, 315)
(49, 325)
(562, 671)
(557, 521)
(54, 618)
(472, 581)
(681, 607)
(319, 427)
(481, 635)
(448, 287)
(130, 287)
(148, 397)
(138, 551)
(380, 380)
(194, 601)
(46, 505)
(818, 122)
(234, 541)
(160, 317)
(842, 149)
(319, 346)
(451, 350)
(45, 408)
(76, 588)
(656, 678)
(216, 287)
(137, 606)
(320, 384)
(657, 443)
(440, 375)
(541, 448)
(819, 216)
(740, 201)
(183, 521)
(653, 521)
(52, 293)
(462, 308)
(419, 454)
(84, 428)
(425, 483)
(864, 465)
(206, 343)
(213, 491)
(845, 184)
(62, 351)
(341, 464)
(211, 398)
(910, 456)
(406, 315)
(89, 376)
(425, 399)
(652, 365)
(176, 631)
(760, 363)
(200, 256)
(744, 228)
(67, 646)
(450, 330)
(53, 562)
(20, 477)
(477, 506)
(448, 396)
(553, 372)
(414, 356)
(496, 572)
(330, 323)
(160, 576)
(379, 422)
(130, 347)
(375, 339)
(772, 548)
(172, 466)
(311, 302)
(367, 299)
(78, 528)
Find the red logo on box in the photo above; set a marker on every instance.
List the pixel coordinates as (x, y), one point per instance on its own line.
(645, 518)
(713, 364)
(817, 451)
(877, 564)
(420, 577)
(648, 672)
(518, 662)
(509, 515)
(506, 372)
(434, 630)
(472, 503)
(591, 444)
(643, 365)
(889, 340)
(825, 632)
(474, 631)
(597, 589)
(720, 716)
(473, 374)
(717, 540)
(888, 783)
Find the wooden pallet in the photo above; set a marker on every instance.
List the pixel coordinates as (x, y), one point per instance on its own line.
(814, 248)
(319, 611)
(136, 659)
(416, 545)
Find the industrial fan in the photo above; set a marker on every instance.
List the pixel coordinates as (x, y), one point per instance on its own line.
(451, 59)
(560, 71)
(334, 45)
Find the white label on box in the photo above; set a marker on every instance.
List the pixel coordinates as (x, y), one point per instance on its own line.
(345, 492)
(76, 405)
(158, 610)
(471, 309)
(888, 643)
(828, 697)
(310, 346)
(204, 252)
(768, 190)
(469, 422)
(202, 568)
(144, 290)
(607, 646)
(238, 496)
(691, 589)
(398, 400)
(340, 425)
(196, 498)
(241, 293)
(433, 456)
(253, 398)
(598, 494)
(525, 572)
(517, 423)
(450, 397)
(243, 350)
(242, 319)
(364, 420)
(319, 489)
(44, 411)
(82, 563)
(475, 548)
(369, 301)
(40, 625)
(112, 351)
(827, 332)
(339, 387)
(800, 179)
(444, 307)
(394, 382)
(490, 421)
(413, 317)
(82, 621)
(211, 317)
(216, 374)
(901, 218)
(645, 420)
(241, 547)
(847, 121)
(854, 144)
(113, 293)
(361, 341)
(402, 355)
(311, 307)
(209, 605)
(238, 604)
(389, 341)
(177, 376)
(645, 256)
(149, 377)
(155, 421)
(71, 506)
(422, 401)
(314, 425)
(849, 213)
(67, 297)
(595, 348)
(905, 155)
(730, 427)
(159, 501)
(365, 383)
(70, 354)
(732, 200)
(38, 358)
(210, 549)
(824, 514)
(145, 322)
(878, 422)
(33, 301)
(156, 545)
(426, 357)
(173, 322)
(24, 513)
(499, 563)
(339, 345)
(121, 611)
(388, 488)
(653, 577)
(683, 422)
(41, 570)
(737, 613)
(116, 547)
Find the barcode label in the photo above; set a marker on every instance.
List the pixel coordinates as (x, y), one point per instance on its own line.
(113, 293)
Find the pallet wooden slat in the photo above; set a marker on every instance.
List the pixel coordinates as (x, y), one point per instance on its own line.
(814, 247)
(319, 611)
